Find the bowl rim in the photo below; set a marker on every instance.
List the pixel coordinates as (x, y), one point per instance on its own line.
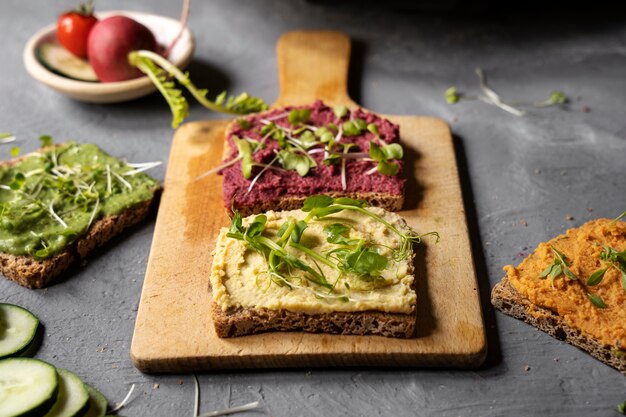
(42, 74)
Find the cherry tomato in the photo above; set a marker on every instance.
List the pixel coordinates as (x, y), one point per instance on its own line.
(73, 30)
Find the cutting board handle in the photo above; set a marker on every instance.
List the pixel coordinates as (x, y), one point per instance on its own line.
(313, 65)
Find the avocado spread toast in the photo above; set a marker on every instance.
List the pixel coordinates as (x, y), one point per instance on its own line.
(335, 266)
(276, 159)
(574, 288)
(62, 202)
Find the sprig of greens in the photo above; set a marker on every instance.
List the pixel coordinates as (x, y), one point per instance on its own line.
(489, 96)
(596, 300)
(299, 116)
(159, 69)
(559, 266)
(321, 206)
(351, 256)
(611, 259)
(278, 258)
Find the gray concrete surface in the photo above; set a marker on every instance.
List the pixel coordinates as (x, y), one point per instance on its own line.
(522, 177)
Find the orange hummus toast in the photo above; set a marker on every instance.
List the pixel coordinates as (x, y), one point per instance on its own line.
(573, 287)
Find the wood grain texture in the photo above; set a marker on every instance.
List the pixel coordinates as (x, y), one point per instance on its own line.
(174, 331)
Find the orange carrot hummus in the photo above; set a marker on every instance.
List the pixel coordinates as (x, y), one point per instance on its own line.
(569, 298)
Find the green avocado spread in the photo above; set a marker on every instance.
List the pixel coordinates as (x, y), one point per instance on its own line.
(49, 199)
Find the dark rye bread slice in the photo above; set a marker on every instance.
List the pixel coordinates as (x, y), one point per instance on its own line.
(242, 321)
(286, 201)
(32, 273)
(506, 299)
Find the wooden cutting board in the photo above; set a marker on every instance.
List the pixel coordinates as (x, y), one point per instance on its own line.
(174, 331)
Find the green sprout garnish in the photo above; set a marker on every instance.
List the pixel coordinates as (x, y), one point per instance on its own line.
(452, 95)
(596, 300)
(46, 140)
(621, 408)
(611, 259)
(560, 265)
(159, 70)
(340, 111)
(350, 256)
(354, 127)
(299, 116)
(384, 155)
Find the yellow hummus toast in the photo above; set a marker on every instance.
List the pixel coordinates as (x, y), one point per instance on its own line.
(574, 288)
(336, 266)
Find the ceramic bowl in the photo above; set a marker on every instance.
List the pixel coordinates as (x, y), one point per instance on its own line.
(164, 29)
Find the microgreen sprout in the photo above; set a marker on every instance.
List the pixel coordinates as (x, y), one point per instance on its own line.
(340, 111)
(556, 98)
(621, 408)
(452, 95)
(320, 206)
(350, 256)
(6, 137)
(15, 151)
(159, 69)
(489, 96)
(46, 140)
(299, 116)
(384, 155)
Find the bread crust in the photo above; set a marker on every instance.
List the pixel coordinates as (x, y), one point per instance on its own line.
(32, 273)
(245, 321)
(508, 300)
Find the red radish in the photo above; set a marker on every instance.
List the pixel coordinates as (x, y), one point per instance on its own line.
(111, 40)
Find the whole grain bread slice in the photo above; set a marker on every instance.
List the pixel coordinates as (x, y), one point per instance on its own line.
(506, 299)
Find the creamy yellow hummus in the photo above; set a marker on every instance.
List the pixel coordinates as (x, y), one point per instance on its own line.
(568, 298)
(239, 275)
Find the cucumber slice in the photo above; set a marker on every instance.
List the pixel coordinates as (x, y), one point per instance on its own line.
(58, 59)
(17, 329)
(98, 404)
(28, 387)
(73, 398)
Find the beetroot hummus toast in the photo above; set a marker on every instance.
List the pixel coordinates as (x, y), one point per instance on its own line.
(274, 160)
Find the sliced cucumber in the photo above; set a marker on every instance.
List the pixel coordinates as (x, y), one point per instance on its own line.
(17, 329)
(28, 387)
(73, 398)
(58, 59)
(98, 404)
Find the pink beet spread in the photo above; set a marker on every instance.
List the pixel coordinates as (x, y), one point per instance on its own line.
(274, 184)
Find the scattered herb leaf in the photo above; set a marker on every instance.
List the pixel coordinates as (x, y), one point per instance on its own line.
(299, 116)
(452, 95)
(46, 140)
(340, 111)
(596, 300)
(15, 151)
(244, 123)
